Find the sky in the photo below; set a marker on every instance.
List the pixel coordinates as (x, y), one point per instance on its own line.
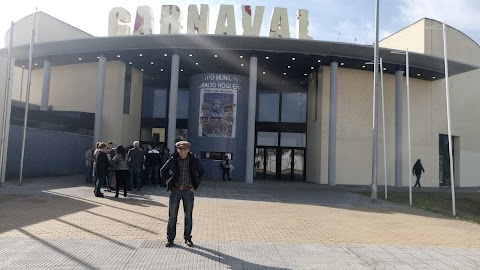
(350, 21)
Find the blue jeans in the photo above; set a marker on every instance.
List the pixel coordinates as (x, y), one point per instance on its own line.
(152, 171)
(88, 174)
(187, 197)
(109, 178)
(137, 174)
(418, 181)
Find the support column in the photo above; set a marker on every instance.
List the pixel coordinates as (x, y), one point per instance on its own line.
(102, 67)
(47, 72)
(172, 102)
(252, 105)
(398, 127)
(332, 125)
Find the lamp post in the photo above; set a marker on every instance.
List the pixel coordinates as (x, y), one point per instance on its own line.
(407, 67)
(447, 94)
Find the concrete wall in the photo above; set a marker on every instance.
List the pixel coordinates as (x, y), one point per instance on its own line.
(47, 29)
(47, 153)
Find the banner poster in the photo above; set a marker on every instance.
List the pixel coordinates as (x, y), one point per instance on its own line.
(218, 113)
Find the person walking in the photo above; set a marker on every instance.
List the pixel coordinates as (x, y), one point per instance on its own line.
(226, 168)
(186, 175)
(417, 170)
(120, 166)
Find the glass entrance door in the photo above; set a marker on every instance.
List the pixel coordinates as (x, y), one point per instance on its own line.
(280, 163)
(266, 163)
(293, 164)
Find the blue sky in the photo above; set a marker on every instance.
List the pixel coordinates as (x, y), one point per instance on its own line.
(349, 21)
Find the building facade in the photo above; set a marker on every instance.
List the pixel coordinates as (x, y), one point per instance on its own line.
(281, 108)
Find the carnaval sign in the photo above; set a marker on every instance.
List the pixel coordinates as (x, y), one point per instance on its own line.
(198, 21)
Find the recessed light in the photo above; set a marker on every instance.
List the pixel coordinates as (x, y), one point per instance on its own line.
(301, 82)
(305, 74)
(23, 66)
(118, 55)
(284, 73)
(318, 61)
(129, 63)
(190, 55)
(288, 66)
(36, 64)
(384, 68)
(241, 56)
(241, 65)
(363, 66)
(165, 54)
(161, 70)
(418, 74)
(433, 77)
(181, 70)
(312, 67)
(151, 63)
(266, 57)
(341, 64)
(196, 63)
(79, 58)
(98, 57)
(140, 55)
(263, 72)
(215, 55)
(293, 58)
(141, 70)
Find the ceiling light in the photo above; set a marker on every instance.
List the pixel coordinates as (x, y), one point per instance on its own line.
(284, 73)
(433, 77)
(305, 74)
(98, 57)
(196, 63)
(79, 58)
(37, 65)
(215, 55)
(241, 56)
(190, 55)
(140, 55)
(301, 82)
(141, 70)
(418, 74)
(341, 64)
(181, 70)
(384, 68)
(118, 55)
(23, 66)
(129, 63)
(319, 60)
(293, 58)
(241, 65)
(312, 67)
(288, 66)
(161, 70)
(266, 57)
(363, 66)
(165, 54)
(264, 72)
(151, 63)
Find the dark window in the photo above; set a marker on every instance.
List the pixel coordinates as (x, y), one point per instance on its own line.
(268, 104)
(294, 108)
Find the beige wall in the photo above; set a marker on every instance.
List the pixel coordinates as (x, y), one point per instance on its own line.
(411, 37)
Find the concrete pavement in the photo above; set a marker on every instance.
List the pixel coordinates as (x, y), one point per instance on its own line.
(57, 223)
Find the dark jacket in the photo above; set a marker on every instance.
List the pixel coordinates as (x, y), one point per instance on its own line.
(196, 170)
(153, 158)
(135, 158)
(102, 164)
(417, 168)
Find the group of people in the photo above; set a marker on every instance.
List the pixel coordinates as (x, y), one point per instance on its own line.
(180, 172)
(132, 167)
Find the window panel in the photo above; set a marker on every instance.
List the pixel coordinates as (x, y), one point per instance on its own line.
(268, 107)
(294, 107)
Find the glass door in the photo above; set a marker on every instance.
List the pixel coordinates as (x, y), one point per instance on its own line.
(298, 164)
(270, 163)
(286, 164)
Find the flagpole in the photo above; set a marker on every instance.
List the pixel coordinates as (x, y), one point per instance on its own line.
(27, 99)
(5, 121)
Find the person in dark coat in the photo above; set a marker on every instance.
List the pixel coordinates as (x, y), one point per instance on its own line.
(183, 174)
(101, 168)
(417, 170)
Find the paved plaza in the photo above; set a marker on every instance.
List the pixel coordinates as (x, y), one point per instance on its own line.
(57, 223)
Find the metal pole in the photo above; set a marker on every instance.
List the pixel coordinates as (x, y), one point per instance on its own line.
(409, 140)
(447, 93)
(5, 121)
(27, 99)
(375, 107)
(21, 84)
(384, 136)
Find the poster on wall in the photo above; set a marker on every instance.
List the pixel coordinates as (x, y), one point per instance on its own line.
(218, 113)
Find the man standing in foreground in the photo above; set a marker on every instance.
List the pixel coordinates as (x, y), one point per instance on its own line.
(183, 174)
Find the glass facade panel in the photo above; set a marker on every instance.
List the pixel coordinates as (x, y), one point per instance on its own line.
(294, 107)
(267, 138)
(267, 110)
(292, 139)
(182, 104)
(159, 109)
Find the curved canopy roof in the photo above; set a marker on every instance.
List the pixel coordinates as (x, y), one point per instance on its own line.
(279, 59)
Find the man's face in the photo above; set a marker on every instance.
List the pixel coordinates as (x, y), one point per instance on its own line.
(183, 151)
